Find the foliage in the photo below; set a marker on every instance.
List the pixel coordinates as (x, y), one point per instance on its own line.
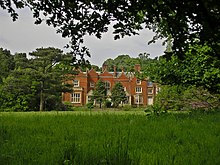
(100, 92)
(127, 63)
(184, 20)
(108, 104)
(199, 67)
(33, 84)
(90, 105)
(18, 91)
(7, 63)
(106, 138)
(122, 62)
(127, 108)
(186, 98)
(118, 94)
(155, 110)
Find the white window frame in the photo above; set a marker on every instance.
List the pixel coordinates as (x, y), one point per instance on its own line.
(75, 83)
(150, 100)
(89, 99)
(138, 99)
(127, 101)
(138, 89)
(76, 97)
(138, 82)
(92, 84)
(150, 91)
(107, 85)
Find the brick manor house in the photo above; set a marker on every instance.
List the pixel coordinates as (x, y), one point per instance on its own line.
(138, 92)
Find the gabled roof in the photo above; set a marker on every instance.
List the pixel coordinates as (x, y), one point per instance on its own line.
(106, 73)
(90, 93)
(122, 76)
(92, 72)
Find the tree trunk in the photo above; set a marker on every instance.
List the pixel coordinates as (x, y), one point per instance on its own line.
(42, 97)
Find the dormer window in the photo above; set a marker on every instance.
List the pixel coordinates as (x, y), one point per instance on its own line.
(92, 84)
(138, 82)
(149, 83)
(75, 83)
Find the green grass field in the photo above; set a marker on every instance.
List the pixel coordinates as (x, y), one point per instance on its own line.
(115, 138)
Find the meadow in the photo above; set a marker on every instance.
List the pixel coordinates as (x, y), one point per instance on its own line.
(115, 138)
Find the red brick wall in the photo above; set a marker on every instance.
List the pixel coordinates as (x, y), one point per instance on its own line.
(92, 76)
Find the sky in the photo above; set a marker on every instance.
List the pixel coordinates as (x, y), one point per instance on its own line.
(23, 36)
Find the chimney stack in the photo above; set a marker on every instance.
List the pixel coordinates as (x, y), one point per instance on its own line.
(104, 67)
(115, 72)
(122, 69)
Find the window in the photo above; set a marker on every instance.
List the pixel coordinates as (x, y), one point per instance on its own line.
(138, 90)
(127, 100)
(89, 99)
(150, 100)
(150, 91)
(138, 99)
(92, 84)
(149, 83)
(107, 85)
(125, 89)
(76, 98)
(75, 83)
(138, 82)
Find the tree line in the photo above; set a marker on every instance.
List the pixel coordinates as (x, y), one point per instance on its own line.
(192, 82)
(190, 28)
(35, 83)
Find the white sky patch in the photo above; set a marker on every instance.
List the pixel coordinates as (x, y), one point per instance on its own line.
(23, 36)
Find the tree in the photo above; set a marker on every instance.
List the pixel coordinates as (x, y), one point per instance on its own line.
(48, 77)
(178, 97)
(37, 83)
(7, 63)
(185, 21)
(100, 92)
(199, 68)
(19, 91)
(118, 94)
(122, 62)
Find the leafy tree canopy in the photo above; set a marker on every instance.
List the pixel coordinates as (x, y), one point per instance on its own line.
(100, 92)
(185, 21)
(7, 63)
(127, 63)
(118, 94)
(35, 83)
(199, 68)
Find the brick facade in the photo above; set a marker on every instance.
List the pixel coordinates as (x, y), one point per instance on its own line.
(139, 92)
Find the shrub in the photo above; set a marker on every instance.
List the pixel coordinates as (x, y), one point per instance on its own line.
(155, 109)
(181, 98)
(68, 106)
(108, 104)
(126, 107)
(90, 105)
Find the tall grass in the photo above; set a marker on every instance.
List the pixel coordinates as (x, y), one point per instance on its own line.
(109, 138)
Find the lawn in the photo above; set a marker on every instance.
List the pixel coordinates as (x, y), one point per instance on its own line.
(109, 138)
